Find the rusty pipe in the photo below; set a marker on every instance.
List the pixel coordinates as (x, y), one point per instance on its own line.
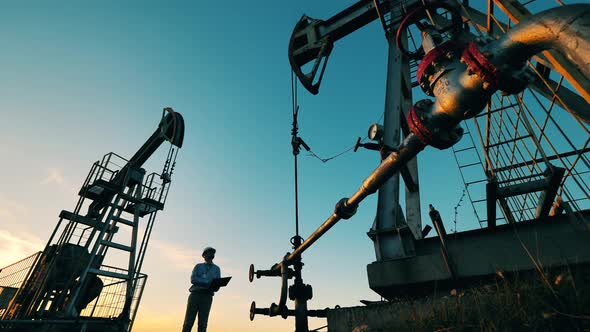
(407, 150)
(565, 29)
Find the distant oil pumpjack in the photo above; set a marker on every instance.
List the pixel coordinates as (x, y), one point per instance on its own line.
(73, 285)
(464, 72)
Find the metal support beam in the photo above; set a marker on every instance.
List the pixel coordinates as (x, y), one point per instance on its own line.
(522, 188)
(539, 160)
(412, 188)
(391, 244)
(553, 179)
(442, 236)
(491, 197)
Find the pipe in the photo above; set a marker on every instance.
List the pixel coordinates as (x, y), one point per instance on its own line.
(346, 208)
(565, 29)
(284, 288)
(462, 84)
(462, 75)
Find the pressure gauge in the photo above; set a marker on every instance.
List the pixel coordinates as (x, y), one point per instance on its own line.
(375, 132)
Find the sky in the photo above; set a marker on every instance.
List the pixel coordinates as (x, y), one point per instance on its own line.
(83, 79)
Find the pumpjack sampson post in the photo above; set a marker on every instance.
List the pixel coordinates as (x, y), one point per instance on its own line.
(73, 285)
(462, 72)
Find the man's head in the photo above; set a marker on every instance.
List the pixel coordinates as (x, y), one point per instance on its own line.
(208, 254)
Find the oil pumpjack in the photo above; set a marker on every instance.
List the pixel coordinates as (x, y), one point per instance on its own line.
(71, 285)
(476, 68)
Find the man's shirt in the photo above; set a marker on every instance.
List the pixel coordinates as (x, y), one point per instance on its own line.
(203, 274)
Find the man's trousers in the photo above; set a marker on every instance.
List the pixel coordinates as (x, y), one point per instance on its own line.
(198, 302)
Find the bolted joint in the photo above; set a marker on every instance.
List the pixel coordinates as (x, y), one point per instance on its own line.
(479, 64)
(513, 80)
(430, 129)
(274, 309)
(343, 210)
(277, 310)
(416, 120)
(300, 292)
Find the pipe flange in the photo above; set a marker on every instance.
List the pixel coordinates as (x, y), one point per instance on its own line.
(444, 139)
(344, 210)
(274, 309)
(480, 65)
(428, 133)
(415, 121)
(302, 292)
(514, 80)
(427, 66)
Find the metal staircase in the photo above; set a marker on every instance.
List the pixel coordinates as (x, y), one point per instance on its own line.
(90, 270)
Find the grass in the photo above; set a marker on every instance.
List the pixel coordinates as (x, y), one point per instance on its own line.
(557, 300)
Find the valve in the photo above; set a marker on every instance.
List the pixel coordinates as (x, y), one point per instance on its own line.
(302, 292)
(321, 313)
(259, 311)
(251, 273)
(273, 272)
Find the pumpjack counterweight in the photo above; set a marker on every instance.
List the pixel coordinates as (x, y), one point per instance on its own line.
(88, 277)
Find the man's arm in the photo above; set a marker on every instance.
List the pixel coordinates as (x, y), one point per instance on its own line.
(218, 272)
(217, 275)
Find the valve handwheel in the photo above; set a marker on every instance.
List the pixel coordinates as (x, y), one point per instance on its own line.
(419, 13)
(252, 310)
(251, 273)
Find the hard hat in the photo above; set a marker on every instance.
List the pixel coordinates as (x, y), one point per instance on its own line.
(208, 249)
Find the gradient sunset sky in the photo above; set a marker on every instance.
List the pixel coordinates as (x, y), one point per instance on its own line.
(80, 80)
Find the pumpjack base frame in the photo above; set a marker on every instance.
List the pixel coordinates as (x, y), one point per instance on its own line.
(479, 254)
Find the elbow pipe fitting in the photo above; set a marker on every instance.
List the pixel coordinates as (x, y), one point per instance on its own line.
(275, 309)
(462, 78)
(281, 308)
(565, 29)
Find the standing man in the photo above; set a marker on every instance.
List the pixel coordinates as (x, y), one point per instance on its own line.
(201, 292)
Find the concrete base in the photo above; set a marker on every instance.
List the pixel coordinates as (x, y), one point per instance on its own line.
(476, 254)
(374, 318)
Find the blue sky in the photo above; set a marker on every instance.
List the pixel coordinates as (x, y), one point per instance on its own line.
(81, 80)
